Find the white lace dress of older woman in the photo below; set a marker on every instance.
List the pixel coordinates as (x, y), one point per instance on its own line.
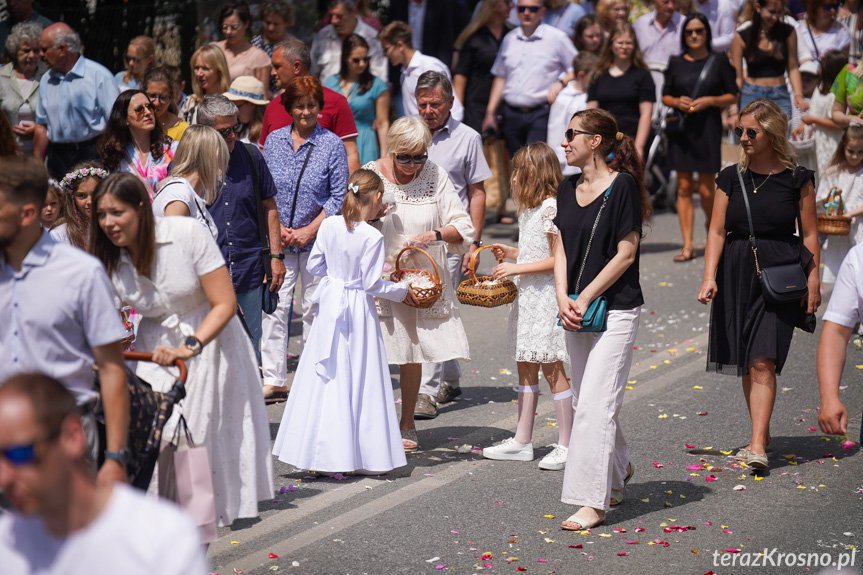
(429, 202)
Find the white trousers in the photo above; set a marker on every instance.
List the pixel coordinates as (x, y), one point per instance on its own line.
(597, 457)
(434, 374)
(274, 326)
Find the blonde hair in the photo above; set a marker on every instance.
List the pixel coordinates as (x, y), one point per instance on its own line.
(603, 11)
(213, 57)
(363, 185)
(408, 134)
(535, 175)
(146, 49)
(774, 122)
(482, 18)
(201, 152)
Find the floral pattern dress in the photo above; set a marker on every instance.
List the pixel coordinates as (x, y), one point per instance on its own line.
(149, 170)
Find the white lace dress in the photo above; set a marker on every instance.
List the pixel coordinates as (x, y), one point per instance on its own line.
(534, 336)
(429, 202)
(826, 141)
(834, 248)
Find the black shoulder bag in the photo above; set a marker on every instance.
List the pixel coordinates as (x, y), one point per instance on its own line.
(269, 299)
(675, 121)
(779, 284)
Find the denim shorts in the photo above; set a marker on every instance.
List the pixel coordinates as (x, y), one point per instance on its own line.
(778, 94)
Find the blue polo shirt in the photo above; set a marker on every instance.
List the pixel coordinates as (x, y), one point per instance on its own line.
(236, 217)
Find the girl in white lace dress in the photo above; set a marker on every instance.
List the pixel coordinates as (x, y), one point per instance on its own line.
(535, 339)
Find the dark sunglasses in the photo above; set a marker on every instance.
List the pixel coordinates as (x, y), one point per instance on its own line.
(828, 7)
(570, 134)
(531, 9)
(695, 31)
(19, 455)
(160, 97)
(365, 60)
(139, 110)
(235, 129)
(751, 133)
(131, 59)
(407, 159)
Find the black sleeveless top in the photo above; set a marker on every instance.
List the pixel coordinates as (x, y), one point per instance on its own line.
(768, 64)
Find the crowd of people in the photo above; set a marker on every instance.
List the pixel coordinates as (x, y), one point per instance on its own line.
(376, 149)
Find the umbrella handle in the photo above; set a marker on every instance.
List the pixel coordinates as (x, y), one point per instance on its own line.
(141, 356)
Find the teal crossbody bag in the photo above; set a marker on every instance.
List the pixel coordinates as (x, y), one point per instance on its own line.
(596, 317)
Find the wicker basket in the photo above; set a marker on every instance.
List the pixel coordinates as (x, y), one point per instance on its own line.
(834, 225)
(472, 292)
(426, 297)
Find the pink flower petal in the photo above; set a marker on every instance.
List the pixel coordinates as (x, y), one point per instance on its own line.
(710, 478)
(624, 554)
(658, 465)
(694, 467)
(689, 446)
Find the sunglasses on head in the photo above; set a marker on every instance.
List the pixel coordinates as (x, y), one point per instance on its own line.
(408, 159)
(695, 31)
(139, 109)
(570, 134)
(235, 129)
(365, 60)
(751, 133)
(531, 9)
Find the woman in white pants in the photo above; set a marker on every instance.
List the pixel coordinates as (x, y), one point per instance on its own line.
(599, 215)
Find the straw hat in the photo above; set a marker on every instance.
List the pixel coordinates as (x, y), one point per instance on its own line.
(248, 89)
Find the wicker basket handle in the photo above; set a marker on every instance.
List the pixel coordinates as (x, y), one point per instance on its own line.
(141, 356)
(473, 260)
(422, 251)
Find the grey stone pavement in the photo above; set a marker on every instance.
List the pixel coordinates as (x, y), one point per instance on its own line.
(457, 512)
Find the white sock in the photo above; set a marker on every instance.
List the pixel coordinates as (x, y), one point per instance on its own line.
(528, 397)
(563, 409)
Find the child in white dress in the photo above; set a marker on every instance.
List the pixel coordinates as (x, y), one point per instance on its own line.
(819, 116)
(846, 174)
(340, 415)
(535, 339)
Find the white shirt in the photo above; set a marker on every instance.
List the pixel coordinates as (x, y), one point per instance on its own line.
(133, 535)
(410, 76)
(531, 64)
(720, 15)
(326, 52)
(457, 148)
(179, 190)
(837, 38)
(569, 101)
(416, 18)
(846, 302)
(53, 313)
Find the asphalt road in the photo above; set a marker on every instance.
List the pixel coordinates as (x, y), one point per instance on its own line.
(457, 512)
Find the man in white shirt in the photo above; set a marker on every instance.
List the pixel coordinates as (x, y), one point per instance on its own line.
(533, 65)
(456, 148)
(397, 44)
(723, 25)
(562, 14)
(64, 522)
(327, 45)
(658, 34)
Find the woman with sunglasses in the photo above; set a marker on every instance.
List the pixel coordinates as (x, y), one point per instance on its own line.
(242, 57)
(133, 142)
(368, 97)
(140, 58)
(821, 31)
(158, 86)
(426, 212)
(172, 272)
(600, 215)
(749, 336)
(696, 149)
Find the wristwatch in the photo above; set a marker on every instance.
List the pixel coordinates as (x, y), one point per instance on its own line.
(438, 235)
(277, 256)
(477, 243)
(121, 456)
(194, 344)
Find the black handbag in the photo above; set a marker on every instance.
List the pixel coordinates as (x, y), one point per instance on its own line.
(779, 284)
(675, 120)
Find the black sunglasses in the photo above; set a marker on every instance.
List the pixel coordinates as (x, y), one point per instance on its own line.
(695, 31)
(365, 60)
(751, 133)
(235, 129)
(139, 110)
(531, 9)
(828, 7)
(570, 134)
(407, 159)
(131, 59)
(160, 97)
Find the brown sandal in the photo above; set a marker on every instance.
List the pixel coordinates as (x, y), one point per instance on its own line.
(684, 257)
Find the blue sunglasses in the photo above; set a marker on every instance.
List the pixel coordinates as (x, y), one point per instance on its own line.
(531, 9)
(20, 454)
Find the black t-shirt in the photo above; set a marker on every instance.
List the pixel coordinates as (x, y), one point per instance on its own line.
(621, 96)
(774, 206)
(621, 215)
(767, 64)
(475, 60)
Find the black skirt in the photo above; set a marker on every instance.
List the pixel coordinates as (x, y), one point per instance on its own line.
(743, 327)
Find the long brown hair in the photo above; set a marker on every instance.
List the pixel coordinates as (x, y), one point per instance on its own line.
(482, 18)
(362, 187)
(366, 79)
(535, 175)
(625, 158)
(606, 57)
(130, 190)
(854, 133)
(77, 224)
(116, 138)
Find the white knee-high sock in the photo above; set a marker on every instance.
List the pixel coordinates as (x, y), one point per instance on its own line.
(528, 397)
(565, 414)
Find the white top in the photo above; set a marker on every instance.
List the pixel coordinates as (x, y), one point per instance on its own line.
(837, 38)
(531, 64)
(457, 148)
(720, 16)
(846, 302)
(326, 51)
(569, 101)
(133, 535)
(835, 247)
(179, 190)
(410, 76)
(53, 313)
(826, 141)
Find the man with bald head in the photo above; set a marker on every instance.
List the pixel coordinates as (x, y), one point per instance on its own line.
(75, 100)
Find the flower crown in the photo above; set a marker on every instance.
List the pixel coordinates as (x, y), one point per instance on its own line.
(66, 182)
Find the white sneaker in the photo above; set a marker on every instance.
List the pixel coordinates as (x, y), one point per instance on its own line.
(509, 450)
(556, 460)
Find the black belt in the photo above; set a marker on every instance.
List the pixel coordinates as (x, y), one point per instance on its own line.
(74, 145)
(526, 109)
